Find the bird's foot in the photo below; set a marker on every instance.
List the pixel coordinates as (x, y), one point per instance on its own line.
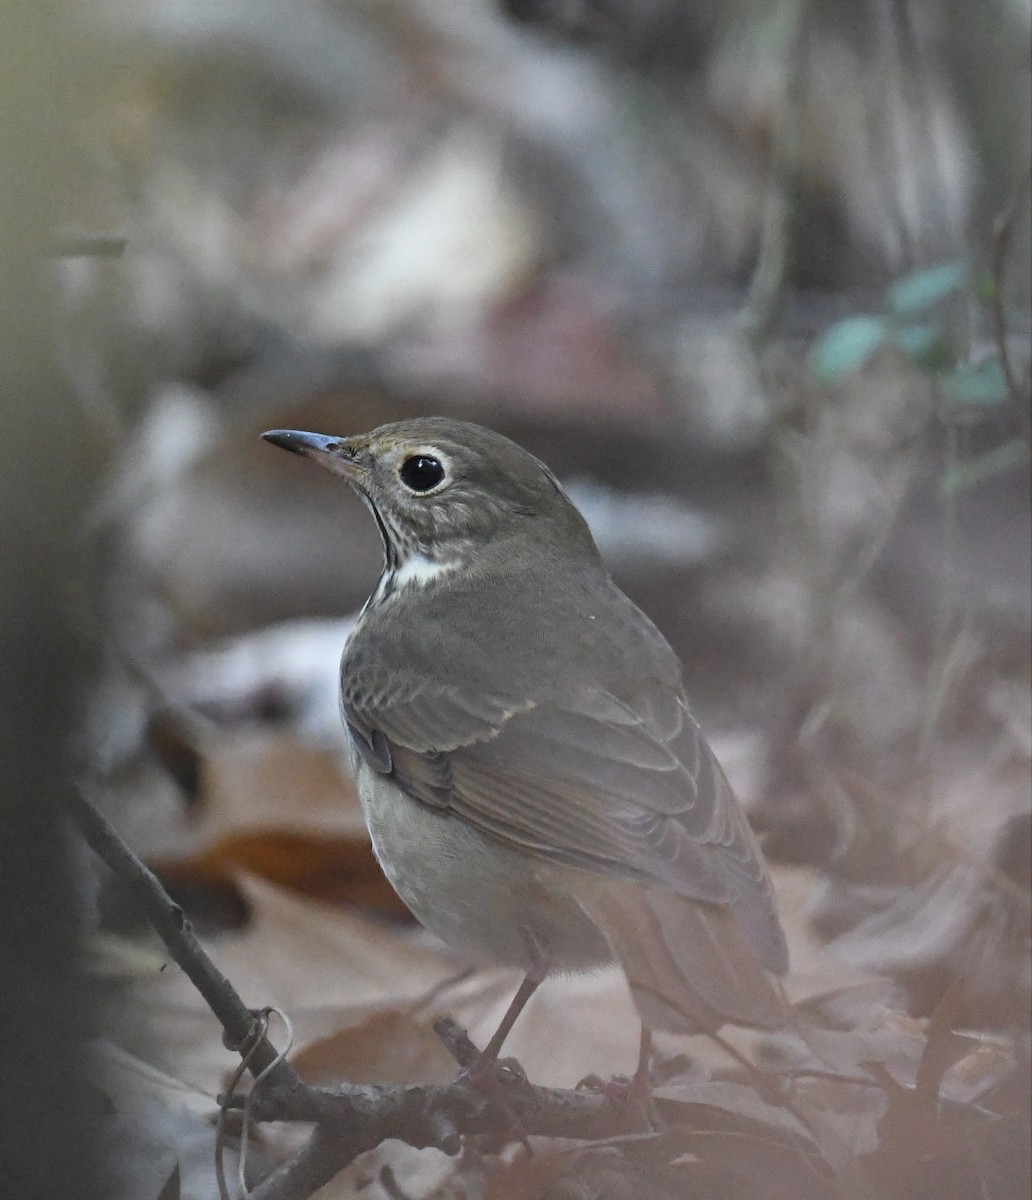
(499, 1080)
(489, 1075)
(633, 1092)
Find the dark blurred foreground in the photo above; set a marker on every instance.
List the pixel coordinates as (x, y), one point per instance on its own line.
(47, 1126)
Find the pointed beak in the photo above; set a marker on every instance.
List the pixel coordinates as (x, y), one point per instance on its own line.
(336, 454)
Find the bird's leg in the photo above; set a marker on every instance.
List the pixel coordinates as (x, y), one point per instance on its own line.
(637, 1090)
(641, 1084)
(531, 983)
(486, 1073)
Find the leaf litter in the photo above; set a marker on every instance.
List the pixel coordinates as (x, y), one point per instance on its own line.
(896, 759)
(860, 1100)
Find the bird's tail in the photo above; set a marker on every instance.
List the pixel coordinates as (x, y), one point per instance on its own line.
(690, 966)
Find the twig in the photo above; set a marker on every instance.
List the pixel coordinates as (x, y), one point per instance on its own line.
(456, 1041)
(245, 1128)
(171, 925)
(261, 1025)
(349, 1119)
(773, 263)
(1003, 229)
(315, 1164)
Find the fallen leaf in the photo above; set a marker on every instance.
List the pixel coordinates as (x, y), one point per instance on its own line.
(324, 966)
(272, 805)
(389, 1046)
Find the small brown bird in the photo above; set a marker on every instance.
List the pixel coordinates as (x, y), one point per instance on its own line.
(537, 791)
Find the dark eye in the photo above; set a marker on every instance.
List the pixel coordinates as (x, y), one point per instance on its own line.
(421, 472)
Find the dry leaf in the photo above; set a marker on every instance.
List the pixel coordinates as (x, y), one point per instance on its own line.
(391, 1046)
(324, 966)
(274, 806)
(394, 1170)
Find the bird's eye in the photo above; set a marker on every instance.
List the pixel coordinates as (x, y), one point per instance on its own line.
(421, 472)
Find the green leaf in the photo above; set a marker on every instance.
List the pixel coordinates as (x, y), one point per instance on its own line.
(847, 346)
(979, 383)
(985, 286)
(993, 462)
(924, 344)
(921, 290)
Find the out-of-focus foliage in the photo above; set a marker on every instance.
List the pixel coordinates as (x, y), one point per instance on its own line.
(545, 216)
(906, 323)
(912, 323)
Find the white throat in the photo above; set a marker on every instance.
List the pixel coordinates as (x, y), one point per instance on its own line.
(417, 571)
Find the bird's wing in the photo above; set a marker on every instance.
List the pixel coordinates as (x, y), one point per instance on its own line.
(590, 781)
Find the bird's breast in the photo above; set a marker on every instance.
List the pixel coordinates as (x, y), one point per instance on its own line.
(493, 902)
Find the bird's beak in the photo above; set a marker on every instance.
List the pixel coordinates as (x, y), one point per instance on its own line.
(336, 454)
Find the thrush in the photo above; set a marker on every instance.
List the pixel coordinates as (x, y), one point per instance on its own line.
(536, 788)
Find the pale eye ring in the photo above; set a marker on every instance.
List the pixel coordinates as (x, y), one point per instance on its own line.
(421, 472)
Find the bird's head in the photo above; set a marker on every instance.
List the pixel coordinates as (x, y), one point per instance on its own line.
(442, 490)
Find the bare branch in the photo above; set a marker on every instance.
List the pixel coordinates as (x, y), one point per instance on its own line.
(351, 1119)
(172, 926)
(316, 1163)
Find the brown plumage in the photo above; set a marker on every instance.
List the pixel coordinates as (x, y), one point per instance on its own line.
(536, 787)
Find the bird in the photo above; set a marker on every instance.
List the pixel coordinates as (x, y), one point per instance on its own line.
(536, 788)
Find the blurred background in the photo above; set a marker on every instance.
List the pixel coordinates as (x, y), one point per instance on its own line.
(753, 279)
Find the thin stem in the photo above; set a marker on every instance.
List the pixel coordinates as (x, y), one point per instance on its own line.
(172, 926)
(774, 261)
(1003, 229)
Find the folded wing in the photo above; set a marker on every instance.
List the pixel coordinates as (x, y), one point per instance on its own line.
(626, 790)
